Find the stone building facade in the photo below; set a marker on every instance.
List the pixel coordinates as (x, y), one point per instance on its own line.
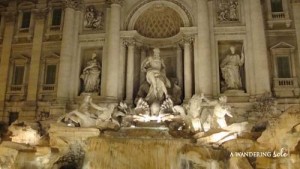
(46, 44)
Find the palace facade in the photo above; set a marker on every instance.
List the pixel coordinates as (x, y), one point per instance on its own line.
(45, 46)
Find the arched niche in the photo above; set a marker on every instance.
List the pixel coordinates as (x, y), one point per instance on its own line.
(145, 5)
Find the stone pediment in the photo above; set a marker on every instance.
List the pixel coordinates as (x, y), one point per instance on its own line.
(282, 45)
(20, 57)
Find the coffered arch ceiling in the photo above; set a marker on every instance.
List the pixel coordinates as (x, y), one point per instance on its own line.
(158, 21)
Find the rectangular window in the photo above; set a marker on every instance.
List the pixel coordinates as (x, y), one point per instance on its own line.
(56, 17)
(50, 77)
(26, 20)
(276, 6)
(18, 75)
(283, 67)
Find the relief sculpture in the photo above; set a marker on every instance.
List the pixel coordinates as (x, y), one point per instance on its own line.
(93, 18)
(227, 10)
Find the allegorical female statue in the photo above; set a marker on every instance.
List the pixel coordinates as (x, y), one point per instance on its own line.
(230, 68)
(91, 75)
(156, 76)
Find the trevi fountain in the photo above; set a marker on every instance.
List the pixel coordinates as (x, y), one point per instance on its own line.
(149, 84)
(156, 133)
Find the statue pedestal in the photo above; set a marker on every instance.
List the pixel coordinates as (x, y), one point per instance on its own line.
(89, 94)
(235, 92)
(237, 96)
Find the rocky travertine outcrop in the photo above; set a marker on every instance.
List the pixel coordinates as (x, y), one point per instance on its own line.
(282, 132)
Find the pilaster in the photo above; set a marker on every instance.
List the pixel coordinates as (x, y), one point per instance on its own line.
(10, 18)
(259, 48)
(296, 9)
(39, 15)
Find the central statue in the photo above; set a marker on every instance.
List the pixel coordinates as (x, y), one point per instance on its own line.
(154, 67)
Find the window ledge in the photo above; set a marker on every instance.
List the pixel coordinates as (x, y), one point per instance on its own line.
(279, 18)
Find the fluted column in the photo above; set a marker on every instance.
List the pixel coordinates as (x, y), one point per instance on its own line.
(203, 60)
(67, 50)
(113, 50)
(122, 70)
(130, 71)
(179, 66)
(261, 66)
(33, 80)
(9, 18)
(296, 9)
(188, 78)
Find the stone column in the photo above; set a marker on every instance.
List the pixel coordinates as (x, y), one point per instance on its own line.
(130, 71)
(34, 70)
(143, 57)
(188, 78)
(179, 66)
(122, 71)
(113, 51)
(203, 60)
(67, 51)
(9, 19)
(261, 66)
(296, 9)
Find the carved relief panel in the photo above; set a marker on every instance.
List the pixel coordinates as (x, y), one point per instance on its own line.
(228, 11)
(94, 18)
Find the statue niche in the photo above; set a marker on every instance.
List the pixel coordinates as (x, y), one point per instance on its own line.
(91, 76)
(232, 72)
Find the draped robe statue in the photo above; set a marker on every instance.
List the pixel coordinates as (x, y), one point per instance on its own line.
(230, 68)
(91, 75)
(156, 76)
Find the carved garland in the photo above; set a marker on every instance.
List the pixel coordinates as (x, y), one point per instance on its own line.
(147, 1)
(75, 4)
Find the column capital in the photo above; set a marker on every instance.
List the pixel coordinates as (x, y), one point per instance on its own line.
(74, 4)
(40, 13)
(119, 2)
(187, 39)
(9, 16)
(129, 42)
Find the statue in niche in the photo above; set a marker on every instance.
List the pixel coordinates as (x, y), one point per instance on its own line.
(227, 11)
(156, 76)
(91, 75)
(93, 18)
(230, 69)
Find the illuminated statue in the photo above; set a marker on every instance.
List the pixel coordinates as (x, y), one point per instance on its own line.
(91, 75)
(230, 68)
(156, 76)
(102, 117)
(221, 109)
